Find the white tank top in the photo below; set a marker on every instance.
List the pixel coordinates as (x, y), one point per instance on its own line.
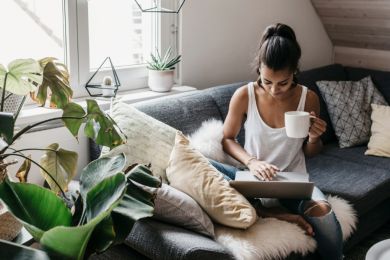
(272, 144)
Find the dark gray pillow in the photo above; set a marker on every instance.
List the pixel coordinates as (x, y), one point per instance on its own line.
(176, 207)
(349, 107)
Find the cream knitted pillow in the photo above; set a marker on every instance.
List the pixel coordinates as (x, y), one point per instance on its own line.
(379, 144)
(148, 140)
(190, 172)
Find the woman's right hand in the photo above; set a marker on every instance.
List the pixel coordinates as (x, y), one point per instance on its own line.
(262, 170)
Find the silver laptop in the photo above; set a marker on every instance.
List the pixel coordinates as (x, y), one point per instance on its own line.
(286, 185)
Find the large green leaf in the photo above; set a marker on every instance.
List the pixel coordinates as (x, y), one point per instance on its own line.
(98, 170)
(104, 194)
(136, 203)
(100, 127)
(6, 126)
(38, 208)
(104, 235)
(15, 251)
(56, 78)
(72, 241)
(73, 124)
(61, 164)
(23, 76)
(143, 175)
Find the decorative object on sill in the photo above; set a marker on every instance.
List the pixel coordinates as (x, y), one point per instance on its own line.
(157, 7)
(161, 71)
(105, 88)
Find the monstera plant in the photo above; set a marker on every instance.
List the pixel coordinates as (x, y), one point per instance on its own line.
(109, 200)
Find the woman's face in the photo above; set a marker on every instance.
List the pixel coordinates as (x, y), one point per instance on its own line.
(276, 83)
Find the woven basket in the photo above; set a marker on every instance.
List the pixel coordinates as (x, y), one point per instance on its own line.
(9, 226)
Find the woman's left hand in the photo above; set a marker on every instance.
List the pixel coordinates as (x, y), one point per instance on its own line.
(317, 128)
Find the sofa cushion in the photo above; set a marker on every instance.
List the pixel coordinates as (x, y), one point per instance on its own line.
(177, 208)
(379, 144)
(381, 79)
(185, 112)
(148, 141)
(349, 108)
(189, 171)
(308, 78)
(158, 240)
(363, 180)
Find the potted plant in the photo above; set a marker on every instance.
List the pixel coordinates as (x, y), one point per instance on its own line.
(161, 71)
(101, 213)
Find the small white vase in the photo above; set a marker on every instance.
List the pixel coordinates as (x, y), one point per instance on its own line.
(161, 80)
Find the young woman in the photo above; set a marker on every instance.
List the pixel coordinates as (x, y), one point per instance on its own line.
(267, 148)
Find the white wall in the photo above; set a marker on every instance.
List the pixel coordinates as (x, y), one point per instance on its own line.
(219, 37)
(42, 139)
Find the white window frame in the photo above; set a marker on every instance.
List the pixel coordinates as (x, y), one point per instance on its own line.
(77, 47)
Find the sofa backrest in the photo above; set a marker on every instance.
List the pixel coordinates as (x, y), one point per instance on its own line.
(187, 112)
(183, 112)
(381, 79)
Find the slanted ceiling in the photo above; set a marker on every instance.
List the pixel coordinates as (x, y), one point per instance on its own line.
(359, 30)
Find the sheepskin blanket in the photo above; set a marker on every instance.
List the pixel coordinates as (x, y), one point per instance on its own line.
(268, 238)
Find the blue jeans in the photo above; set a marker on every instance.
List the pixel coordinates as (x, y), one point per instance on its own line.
(327, 229)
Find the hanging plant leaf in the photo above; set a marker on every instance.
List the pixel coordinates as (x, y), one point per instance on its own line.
(39, 209)
(62, 166)
(24, 169)
(23, 76)
(100, 127)
(55, 78)
(73, 110)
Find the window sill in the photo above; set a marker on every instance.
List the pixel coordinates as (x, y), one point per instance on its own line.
(32, 113)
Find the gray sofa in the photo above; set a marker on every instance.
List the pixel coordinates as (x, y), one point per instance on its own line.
(348, 173)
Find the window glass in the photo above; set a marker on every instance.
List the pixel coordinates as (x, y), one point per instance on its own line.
(31, 29)
(120, 31)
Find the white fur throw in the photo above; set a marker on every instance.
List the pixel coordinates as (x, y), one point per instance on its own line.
(268, 238)
(207, 140)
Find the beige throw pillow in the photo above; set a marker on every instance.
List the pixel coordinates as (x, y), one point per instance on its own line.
(379, 143)
(148, 140)
(189, 171)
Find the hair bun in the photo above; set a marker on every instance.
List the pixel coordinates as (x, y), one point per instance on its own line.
(280, 30)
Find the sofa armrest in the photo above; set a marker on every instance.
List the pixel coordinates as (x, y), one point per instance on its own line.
(158, 240)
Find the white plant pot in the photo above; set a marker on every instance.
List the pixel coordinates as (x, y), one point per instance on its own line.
(161, 80)
(108, 90)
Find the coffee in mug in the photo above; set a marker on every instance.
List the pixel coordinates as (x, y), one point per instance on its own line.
(297, 124)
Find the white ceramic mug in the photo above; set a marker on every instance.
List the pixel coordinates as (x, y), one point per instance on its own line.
(297, 124)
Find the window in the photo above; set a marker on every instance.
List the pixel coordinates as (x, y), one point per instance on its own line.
(82, 33)
(31, 29)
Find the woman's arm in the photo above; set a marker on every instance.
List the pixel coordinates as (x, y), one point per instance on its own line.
(313, 145)
(232, 125)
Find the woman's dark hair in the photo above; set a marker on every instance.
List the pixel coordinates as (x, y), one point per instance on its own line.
(278, 49)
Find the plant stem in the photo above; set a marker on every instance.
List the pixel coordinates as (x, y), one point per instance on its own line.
(27, 128)
(3, 156)
(3, 96)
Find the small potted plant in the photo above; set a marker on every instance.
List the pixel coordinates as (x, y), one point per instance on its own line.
(161, 71)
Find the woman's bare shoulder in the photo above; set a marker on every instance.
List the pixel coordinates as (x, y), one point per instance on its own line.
(312, 101)
(239, 99)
